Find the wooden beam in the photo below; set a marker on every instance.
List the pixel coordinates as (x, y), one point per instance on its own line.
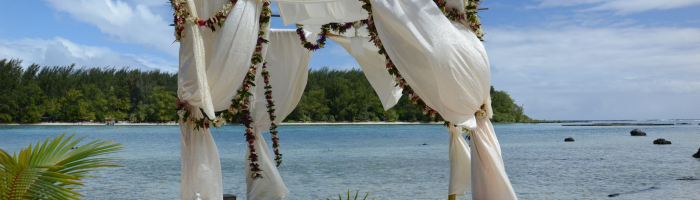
(452, 197)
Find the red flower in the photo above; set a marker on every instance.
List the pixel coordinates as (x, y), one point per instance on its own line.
(205, 123)
(202, 22)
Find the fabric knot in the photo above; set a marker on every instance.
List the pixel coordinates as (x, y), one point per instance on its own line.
(481, 113)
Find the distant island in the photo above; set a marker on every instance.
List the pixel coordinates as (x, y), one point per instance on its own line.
(70, 94)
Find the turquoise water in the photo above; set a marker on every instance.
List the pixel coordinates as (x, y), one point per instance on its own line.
(391, 162)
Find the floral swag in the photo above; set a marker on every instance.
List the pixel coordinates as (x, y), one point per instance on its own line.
(240, 104)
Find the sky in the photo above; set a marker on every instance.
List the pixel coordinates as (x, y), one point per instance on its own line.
(560, 59)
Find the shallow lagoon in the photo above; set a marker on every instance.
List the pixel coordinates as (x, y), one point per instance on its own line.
(391, 162)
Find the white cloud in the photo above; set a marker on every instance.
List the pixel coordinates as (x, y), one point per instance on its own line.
(621, 6)
(128, 22)
(63, 52)
(598, 73)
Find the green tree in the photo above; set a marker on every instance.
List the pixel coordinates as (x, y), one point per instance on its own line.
(162, 104)
(10, 73)
(505, 109)
(75, 107)
(313, 107)
(67, 93)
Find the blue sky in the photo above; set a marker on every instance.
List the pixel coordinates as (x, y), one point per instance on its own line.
(561, 59)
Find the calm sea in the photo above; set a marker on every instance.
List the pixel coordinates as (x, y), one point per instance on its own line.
(391, 162)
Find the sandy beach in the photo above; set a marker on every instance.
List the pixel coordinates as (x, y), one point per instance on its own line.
(89, 124)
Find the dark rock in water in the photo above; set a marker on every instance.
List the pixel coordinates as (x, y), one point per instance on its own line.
(687, 178)
(632, 192)
(637, 132)
(425, 144)
(569, 139)
(661, 141)
(697, 155)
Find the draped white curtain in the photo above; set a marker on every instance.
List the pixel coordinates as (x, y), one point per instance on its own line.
(287, 63)
(319, 12)
(460, 163)
(212, 67)
(213, 64)
(201, 168)
(447, 66)
(443, 61)
(374, 67)
(489, 178)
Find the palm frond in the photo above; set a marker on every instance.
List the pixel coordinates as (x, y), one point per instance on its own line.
(52, 170)
(357, 192)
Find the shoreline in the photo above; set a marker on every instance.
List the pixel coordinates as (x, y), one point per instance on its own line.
(330, 124)
(175, 124)
(90, 124)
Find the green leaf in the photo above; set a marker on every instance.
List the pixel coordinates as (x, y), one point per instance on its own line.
(52, 170)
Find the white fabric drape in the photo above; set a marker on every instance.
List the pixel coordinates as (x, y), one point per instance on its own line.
(213, 64)
(374, 67)
(287, 63)
(447, 66)
(311, 12)
(460, 163)
(489, 178)
(456, 4)
(201, 168)
(441, 60)
(212, 67)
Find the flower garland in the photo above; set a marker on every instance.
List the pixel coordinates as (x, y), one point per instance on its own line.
(184, 115)
(241, 103)
(374, 37)
(341, 28)
(469, 14)
(271, 111)
(321, 42)
(181, 16)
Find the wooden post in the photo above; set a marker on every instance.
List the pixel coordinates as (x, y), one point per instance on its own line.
(229, 197)
(452, 197)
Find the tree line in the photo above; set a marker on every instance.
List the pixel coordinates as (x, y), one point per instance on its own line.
(69, 94)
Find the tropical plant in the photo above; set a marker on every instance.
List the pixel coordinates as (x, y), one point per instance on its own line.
(348, 198)
(52, 170)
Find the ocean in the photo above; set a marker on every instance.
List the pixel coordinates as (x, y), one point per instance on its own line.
(391, 162)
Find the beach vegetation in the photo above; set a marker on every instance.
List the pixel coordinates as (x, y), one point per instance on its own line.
(69, 94)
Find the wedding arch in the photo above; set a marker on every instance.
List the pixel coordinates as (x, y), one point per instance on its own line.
(233, 65)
